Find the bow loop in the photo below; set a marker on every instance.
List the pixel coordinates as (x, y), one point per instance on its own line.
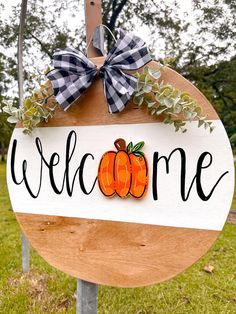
(73, 72)
(72, 60)
(129, 52)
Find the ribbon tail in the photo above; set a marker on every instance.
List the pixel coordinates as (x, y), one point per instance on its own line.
(118, 92)
(129, 53)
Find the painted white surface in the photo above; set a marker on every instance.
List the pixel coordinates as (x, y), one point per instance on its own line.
(168, 210)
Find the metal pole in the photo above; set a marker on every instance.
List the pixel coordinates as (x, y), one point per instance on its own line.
(25, 254)
(87, 297)
(87, 292)
(24, 241)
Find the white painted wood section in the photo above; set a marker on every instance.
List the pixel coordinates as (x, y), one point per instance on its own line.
(168, 210)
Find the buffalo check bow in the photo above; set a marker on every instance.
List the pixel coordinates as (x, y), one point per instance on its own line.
(73, 73)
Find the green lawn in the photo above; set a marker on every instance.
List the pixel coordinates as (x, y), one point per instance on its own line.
(46, 290)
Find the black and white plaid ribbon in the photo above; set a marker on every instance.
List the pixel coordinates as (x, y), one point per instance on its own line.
(73, 72)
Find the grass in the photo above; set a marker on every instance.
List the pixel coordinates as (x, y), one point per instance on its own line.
(46, 290)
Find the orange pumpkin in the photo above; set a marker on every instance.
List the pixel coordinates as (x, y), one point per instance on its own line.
(124, 172)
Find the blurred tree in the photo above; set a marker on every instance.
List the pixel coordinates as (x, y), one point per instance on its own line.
(5, 127)
(218, 84)
(5, 134)
(202, 40)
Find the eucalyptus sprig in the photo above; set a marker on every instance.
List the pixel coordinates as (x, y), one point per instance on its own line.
(35, 109)
(163, 99)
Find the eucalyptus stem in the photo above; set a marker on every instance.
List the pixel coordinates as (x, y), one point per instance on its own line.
(164, 100)
(35, 109)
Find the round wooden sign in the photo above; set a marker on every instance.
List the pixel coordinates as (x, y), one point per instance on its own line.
(99, 213)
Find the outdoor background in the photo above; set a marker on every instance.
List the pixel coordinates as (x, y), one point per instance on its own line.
(199, 38)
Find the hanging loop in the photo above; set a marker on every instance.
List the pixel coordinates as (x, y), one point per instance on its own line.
(97, 38)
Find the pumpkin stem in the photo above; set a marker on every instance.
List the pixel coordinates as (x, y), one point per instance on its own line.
(120, 144)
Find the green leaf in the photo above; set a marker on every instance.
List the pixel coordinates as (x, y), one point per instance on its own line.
(142, 77)
(177, 109)
(7, 110)
(158, 98)
(139, 93)
(47, 70)
(156, 74)
(138, 154)
(12, 119)
(147, 88)
(27, 103)
(138, 146)
(155, 88)
(172, 113)
(36, 121)
(198, 110)
(187, 115)
(160, 111)
(153, 111)
(168, 102)
(147, 98)
(26, 131)
(151, 104)
(141, 153)
(140, 86)
(138, 100)
(185, 96)
(41, 111)
(147, 79)
(129, 147)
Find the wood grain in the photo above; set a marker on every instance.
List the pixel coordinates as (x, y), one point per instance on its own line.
(93, 18)
(115, 253)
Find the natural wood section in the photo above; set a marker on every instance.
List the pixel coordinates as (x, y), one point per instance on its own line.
(91, 108)
(93, 18)
(115, 253)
